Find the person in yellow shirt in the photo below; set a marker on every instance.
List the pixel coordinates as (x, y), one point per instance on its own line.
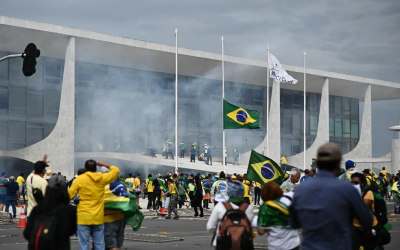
(363, 237)
(283, 163)
(257, 193)
(385, 173)
(137, 188)
(173, 193)
(90, 210)
(20, 181)
(151, 205)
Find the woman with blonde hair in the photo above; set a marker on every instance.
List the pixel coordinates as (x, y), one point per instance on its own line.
(273, 219)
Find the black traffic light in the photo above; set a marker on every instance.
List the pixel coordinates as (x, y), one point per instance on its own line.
(30, 54)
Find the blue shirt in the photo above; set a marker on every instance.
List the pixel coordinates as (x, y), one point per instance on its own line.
(324, 207)
(3, 190)
(12, 188)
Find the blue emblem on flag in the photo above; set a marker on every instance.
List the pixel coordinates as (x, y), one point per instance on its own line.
(222, 187)
(267, 171)
(241, 116)
(207, 183)
(118, 189)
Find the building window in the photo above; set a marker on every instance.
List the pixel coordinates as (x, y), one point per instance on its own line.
(287, 128)
(338, 128)
(346, 106)
(354, 129)
(331, 127)
(346, 128)
(338, 106)
(3, 102)
(287, 99)
(297, 100)
(248, 96)
(354, 107)
(313, 125)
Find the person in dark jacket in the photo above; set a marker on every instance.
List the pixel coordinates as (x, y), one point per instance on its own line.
(198, 197)
(55, 205)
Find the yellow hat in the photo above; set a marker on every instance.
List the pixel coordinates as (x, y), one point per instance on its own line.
(246, 182)
(203, 176)
(376, 177)
(286, 175)
(233, 177)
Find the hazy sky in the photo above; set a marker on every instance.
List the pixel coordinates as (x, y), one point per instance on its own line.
(358, 37)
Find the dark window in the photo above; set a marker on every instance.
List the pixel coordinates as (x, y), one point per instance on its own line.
(338, 128)
(287, 100)
(346, 106)
(297, 100)
(248, 96)
(338, 105)
(287, 128)
(35, 105)
(3, 102)
(17, 97)
(53, 69)
(346, 128)
(354, 129)
(354, 107)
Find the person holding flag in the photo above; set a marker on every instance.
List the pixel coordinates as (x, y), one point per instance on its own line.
(396, 195)
(262, 169)
(206, 184)
(219, 189)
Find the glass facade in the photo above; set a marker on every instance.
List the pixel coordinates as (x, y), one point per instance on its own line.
(29, 106)
(130, 110)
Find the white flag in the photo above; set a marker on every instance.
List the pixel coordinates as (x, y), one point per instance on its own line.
(277, 71)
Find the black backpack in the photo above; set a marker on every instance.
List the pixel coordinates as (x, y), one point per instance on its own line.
(380, 208)
(374, 186)
(235, 229)
(43, 235)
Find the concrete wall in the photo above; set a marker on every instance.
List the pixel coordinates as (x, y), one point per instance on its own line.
(322, 134)
(273, 131)
(363, 150)
(59, 145)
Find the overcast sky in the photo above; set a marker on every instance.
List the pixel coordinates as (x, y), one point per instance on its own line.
(357, 37)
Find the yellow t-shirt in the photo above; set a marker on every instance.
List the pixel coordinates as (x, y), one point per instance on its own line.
(368, 196)
(20, 180)
(191, 187)
(149, 185)
(283, 160)
(246, 191)
(173, 188)
(258, 185)
(136, 182)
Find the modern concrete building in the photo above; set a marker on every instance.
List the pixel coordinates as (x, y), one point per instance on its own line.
(98, 95)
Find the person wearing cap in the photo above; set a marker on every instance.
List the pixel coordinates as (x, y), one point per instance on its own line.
(48, 174)
(350, 169)
(12, 195)
(235, 190)
(36, 181)
(3, 190)
(219, 189)
(55, 206)
(90, 209)
(368, 175)
(326, 216)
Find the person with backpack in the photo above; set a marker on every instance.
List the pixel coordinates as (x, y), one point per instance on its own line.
(273, 219)
(231, 221)
(365, 235)
(53, 221)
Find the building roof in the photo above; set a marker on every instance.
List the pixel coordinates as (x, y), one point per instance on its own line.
(126, 52)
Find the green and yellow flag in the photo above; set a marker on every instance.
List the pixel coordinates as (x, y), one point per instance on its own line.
(263, 169)
(236, 117)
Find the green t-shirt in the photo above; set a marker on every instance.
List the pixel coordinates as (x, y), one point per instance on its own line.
(182, 146)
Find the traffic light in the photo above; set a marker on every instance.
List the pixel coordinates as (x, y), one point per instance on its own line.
(30, 54)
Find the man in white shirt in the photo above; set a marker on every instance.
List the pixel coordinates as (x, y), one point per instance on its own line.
(36, 180)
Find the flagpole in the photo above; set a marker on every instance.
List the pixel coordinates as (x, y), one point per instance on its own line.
(268, 49)
(223, 98)
(305, 117)
(176, 100)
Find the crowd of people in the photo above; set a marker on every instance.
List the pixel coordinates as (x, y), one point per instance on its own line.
(283, 208)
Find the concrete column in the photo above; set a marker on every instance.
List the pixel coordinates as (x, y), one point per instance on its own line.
(59, 145)
(395, 155)
(274, 122)
(322, 134)
(364, 147)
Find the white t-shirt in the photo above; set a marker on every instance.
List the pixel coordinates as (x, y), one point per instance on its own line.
(281, 238)
(34, 181)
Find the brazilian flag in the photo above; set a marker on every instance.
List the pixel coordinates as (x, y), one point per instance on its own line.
(262, 169)
(236, 117)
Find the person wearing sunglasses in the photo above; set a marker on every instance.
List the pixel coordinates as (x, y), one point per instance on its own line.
(365, 236)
